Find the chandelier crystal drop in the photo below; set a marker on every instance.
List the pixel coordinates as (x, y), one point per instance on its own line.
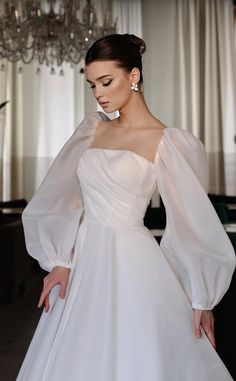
(50, 31)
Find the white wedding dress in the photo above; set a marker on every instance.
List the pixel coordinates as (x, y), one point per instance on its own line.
(128, 311)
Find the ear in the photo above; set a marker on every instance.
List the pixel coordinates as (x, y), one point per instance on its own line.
(135, 75)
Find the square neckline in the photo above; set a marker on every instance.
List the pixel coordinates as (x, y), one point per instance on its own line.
(152, 163)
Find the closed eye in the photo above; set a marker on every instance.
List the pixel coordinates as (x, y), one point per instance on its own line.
(107, 83)
(92, 86)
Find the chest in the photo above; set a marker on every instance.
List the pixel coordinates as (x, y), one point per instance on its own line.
(142, 141)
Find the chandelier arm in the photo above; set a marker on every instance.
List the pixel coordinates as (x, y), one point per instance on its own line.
(41, 57)
(24, 56)
(12, 58)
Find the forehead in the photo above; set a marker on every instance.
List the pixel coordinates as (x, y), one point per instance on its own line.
(98, 69)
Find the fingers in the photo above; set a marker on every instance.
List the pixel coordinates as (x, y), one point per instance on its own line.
(197, 323)
(63, 287)
(208, 326)
(50, 281)
(46, 303)
(204, 319)
(44, 297)
(211, 338)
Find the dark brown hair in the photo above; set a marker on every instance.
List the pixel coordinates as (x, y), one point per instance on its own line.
(125, 49)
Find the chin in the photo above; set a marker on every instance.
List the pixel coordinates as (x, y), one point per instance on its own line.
(110, 110)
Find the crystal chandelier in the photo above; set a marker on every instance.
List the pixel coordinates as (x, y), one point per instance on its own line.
(50, 31)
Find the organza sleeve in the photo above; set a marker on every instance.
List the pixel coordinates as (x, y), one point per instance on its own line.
(52, 217)
(194, 241)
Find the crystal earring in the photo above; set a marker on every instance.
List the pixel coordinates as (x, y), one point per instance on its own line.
(134, 86)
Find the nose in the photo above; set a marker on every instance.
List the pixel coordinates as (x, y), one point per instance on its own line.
(97, 93)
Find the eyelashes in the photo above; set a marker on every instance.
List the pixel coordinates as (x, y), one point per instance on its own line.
(107, 83)
(92, 86)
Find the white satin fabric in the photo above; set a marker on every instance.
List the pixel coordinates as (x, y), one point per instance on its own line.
(127, 315)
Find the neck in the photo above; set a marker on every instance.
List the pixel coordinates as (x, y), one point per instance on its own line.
(136, 113)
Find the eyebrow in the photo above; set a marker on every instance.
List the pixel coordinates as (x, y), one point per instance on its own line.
(102, 76)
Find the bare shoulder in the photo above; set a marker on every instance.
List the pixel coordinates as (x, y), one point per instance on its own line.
(158, 125)
(155, 130)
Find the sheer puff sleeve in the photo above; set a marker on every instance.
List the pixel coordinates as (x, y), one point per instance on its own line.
(194, 241)
(52, 217)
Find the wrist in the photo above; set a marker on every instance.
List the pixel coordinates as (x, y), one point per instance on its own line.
(61, 268)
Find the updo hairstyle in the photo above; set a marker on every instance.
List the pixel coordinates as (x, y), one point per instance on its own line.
(125, 49)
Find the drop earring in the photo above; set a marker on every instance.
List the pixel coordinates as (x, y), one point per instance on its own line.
(134, 86)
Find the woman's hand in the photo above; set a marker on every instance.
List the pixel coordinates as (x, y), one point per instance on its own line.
(204, 319)
(59, 275)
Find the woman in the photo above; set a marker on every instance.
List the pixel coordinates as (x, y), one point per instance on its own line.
(119, 307)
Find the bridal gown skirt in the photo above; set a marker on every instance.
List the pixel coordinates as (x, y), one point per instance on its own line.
(125, 316)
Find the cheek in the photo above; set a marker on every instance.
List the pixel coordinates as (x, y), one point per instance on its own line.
(120, 89)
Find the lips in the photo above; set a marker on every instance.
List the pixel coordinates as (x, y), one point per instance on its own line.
(104, 104)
